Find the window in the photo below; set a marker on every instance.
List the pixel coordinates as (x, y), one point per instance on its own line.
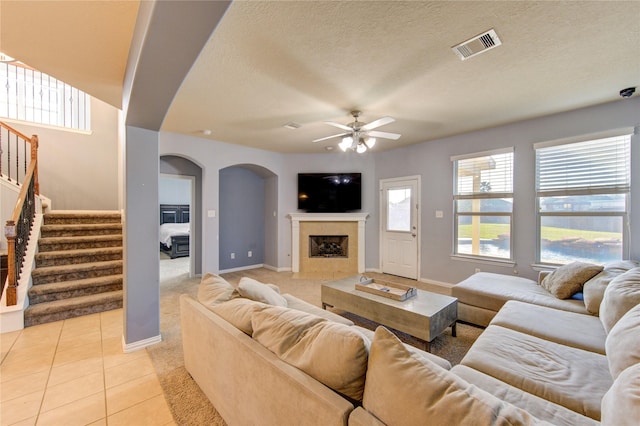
(582, 191)
(29, 95)
(483, 204)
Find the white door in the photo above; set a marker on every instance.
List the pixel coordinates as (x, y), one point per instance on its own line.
(399, 231)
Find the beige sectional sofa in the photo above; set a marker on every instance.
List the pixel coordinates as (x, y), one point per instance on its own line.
(271, 359)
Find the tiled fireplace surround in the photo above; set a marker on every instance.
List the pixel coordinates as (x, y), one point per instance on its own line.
(304, 225)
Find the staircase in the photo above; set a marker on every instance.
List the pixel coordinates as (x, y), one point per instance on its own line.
(78, 267)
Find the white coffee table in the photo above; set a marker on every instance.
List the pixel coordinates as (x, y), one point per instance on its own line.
(425, 316)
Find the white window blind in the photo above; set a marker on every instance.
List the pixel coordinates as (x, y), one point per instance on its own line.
(485, 176)
(591, 167)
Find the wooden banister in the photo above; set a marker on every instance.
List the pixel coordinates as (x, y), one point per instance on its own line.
(18, 228)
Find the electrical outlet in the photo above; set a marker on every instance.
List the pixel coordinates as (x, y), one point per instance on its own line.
(250, 253)
(233, 255)
(477, 270)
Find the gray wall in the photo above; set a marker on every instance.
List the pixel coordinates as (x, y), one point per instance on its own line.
(174, 190)
(79, 171)
(432, 161)
(141, 224)
(242, 217)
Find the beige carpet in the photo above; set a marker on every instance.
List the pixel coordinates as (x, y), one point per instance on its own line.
(186, 401)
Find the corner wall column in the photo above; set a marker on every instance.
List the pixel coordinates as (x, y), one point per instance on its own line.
(141, 253)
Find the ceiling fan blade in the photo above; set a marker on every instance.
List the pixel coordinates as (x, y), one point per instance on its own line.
(384, 135)
(330, 137)
(339, 126)
(377, 123)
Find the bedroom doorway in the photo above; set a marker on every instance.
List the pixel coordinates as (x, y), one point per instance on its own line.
(176, 197)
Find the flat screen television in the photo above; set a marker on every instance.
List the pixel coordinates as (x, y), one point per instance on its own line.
(329, 192)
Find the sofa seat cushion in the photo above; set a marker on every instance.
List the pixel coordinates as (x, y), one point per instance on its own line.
(571, 377)
(295, 303)
(568, 328)
(419, 352)
(622, 294)
(623, 342)
(332, 353)
(403, 389)
(491, 291)
(539, 407)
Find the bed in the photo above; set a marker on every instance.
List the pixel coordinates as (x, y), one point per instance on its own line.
(174, 229)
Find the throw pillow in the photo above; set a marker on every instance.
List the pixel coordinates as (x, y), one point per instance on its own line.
(620, 404)
(622, 294)
(568, 279)
(404, 389)
(334, 354)
(278, 329)
(214, 289)
(623, 342)
(255, 290)
(238, 312)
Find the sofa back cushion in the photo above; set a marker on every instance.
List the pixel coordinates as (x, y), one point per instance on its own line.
(214, 289)
(334, 354)
(623, 342)
(593, 290)
(568, 279)
(622, 294)
(238, 312)
(620, 405)
(255, 290)
(402, 389)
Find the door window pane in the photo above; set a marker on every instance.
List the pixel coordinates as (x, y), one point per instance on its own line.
(399, 209)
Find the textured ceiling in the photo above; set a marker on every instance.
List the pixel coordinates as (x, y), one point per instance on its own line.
(269, 63)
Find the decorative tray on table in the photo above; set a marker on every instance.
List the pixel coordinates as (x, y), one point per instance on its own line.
(387, 289)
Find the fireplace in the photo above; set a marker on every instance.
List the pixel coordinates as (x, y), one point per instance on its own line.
(328, 245)
(338, 257)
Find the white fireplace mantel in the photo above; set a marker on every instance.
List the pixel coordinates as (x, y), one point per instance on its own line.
(296, 218)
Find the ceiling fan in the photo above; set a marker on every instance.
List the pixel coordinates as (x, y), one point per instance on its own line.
(360, 136)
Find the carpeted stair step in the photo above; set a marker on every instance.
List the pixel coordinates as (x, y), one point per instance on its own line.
(71, 308)
(69, 289)
(69, 257)
(76, 243)
(54, 218)
(79, 230)
(52, 274)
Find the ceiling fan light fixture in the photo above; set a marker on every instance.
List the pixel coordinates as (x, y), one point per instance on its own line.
(346, 143)
(361, 148)
(370, 142)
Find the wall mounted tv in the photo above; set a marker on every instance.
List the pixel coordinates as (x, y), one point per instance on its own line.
(329, 192)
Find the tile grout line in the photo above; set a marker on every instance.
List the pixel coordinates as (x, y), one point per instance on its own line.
(46, 385)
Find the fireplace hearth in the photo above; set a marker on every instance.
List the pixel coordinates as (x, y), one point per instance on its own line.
(328, 246)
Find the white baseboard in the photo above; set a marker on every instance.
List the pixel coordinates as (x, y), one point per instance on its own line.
(140, 344)
(434, 282)
(241, 268)
(276, 269)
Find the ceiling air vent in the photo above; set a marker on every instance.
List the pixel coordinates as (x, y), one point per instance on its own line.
(478, 44)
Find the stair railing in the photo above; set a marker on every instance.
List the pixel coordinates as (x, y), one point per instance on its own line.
(18, 228)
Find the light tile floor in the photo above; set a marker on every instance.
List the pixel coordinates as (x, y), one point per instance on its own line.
(74, 372)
